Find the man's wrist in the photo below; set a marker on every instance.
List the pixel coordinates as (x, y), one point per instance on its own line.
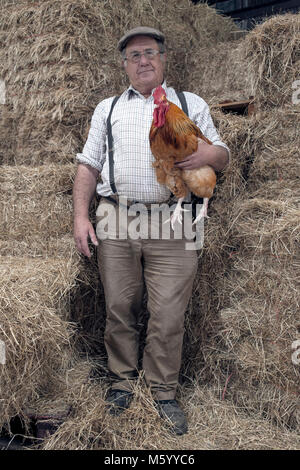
(220, 158)
(80, 217)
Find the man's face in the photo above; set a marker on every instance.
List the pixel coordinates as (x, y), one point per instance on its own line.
(145, 74)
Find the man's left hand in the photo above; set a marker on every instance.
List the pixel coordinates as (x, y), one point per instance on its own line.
(206, 154)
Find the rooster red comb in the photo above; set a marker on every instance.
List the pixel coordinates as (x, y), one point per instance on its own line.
(158, 93)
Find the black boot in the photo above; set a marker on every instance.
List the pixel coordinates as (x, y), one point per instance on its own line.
(119, 400)
(170, 411)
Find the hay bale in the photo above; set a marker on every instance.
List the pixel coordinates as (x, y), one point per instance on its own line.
(35, 329)
(239, 134)
(213, 424)
(269, 226)
(36, 201)
(37, 247)
(8, 131)
(35, 180)
(259, 307)
(50, 67)
(20, 216)
(272, 52)
(278, 157)
(38, 280)
(244, 313)
(214, 70)
(53, 80)
(49, 61)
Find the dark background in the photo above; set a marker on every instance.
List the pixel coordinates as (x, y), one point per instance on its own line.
(247, 13)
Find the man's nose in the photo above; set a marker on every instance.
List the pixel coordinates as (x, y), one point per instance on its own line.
(144, 60)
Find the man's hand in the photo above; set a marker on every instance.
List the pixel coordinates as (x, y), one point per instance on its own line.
(83, 230)
(83, 191)
(206, 154)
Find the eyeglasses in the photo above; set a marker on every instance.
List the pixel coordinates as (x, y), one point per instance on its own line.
(135, 57)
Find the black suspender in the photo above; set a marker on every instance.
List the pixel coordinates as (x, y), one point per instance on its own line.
(110, 148)
(184, 107)
(183, 102)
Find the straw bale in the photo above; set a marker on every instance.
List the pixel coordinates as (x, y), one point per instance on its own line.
(36, 180)
(276, 162)
(36, 283)
(271, 402)
(239, 134)
(264, 302)
(36, 246)
(35, 328)
(278, 126)
(241, 320)
(272, 52)
(240, 338)
(24, 216)
(38, 351)
(36, 201)
(259, 321)
(214, 70)
(57, 142)
(52, 78)
(278, 159)
(269, 226)
(37, 280)
(50, 56)
(7, 134)
(213, 424)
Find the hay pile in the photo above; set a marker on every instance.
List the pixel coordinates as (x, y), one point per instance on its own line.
(249, 280)
(263, 319)
(34, 329)
(39, 267)
(50, 66)
(58, 60)
(215, 68)
(213, 423)
(28, 191)
(273, 57)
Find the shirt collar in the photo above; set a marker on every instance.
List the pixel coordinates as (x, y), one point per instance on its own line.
(132, 91)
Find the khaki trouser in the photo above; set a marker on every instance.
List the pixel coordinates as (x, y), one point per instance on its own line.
(167, 270)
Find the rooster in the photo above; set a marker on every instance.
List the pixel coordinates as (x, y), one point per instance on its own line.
(173, 136)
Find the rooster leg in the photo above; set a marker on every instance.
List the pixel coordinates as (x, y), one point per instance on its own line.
(203, 212)
(176, 216)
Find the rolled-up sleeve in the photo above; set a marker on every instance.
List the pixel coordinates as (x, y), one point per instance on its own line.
(200, 114)
(94, 150)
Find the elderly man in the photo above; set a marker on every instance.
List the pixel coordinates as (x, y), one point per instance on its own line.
(164, 266)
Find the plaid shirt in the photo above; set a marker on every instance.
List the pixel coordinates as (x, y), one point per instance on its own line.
(131, 120)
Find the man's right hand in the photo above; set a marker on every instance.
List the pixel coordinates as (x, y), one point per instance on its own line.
(83, 191)
(83, 229)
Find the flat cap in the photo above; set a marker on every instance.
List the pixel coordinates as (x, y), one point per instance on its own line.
(140, 31)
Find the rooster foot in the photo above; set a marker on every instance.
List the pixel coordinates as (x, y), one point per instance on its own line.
(203, 211)
(177, 214)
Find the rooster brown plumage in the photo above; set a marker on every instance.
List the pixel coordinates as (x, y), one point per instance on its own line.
(173, 136)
